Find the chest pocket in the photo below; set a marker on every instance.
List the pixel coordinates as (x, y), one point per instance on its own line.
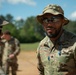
(66, 59)
(11, 45)
(63, 58)
(66, 53)
(44, 52)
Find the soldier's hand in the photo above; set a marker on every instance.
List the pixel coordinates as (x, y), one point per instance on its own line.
(71, 73)
(11, 56)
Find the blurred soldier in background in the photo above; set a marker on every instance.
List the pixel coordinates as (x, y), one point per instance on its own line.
(57, 51)
(2, 23)
(11, 51)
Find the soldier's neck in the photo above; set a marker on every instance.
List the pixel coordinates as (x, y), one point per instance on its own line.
(56, 38)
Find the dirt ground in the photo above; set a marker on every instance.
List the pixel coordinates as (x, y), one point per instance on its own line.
(27, 63)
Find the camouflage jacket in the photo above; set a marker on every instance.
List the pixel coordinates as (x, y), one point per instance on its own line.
(59, 58)
(11, 47)
(1, 47)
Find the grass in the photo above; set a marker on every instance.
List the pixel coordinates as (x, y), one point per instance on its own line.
(29, 46)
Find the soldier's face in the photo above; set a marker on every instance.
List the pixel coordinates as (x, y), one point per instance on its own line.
(52, 25)
(5, 36)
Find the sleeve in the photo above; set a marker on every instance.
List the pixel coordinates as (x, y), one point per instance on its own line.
(75, 54)
(74, 70)
(17, 47)
(40, 65)
(1, 48)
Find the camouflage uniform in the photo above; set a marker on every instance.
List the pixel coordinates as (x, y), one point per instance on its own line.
(56, 55)
(57, 59)
(1, 51)
(2, 23)
(11, 47)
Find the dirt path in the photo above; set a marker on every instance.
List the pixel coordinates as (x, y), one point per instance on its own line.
(27, 63)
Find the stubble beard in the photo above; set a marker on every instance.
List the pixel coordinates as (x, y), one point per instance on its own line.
(50, 35)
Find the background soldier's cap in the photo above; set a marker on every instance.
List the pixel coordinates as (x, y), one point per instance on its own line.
(52, 9)
(3, 22)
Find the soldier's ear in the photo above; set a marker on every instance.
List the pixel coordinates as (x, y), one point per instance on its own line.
(63, 22)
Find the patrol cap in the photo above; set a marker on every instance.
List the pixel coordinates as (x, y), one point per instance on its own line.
(7, 32)
(3, 22)
(52, 9)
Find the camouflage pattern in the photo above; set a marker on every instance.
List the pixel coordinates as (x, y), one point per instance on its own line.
(1, 51)
(58, 58)
(52, 9)
(2, 23)
(11, 47)
(2, 71)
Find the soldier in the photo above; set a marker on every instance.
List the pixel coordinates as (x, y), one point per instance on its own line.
(11, 51)
(2, 23)
(56, 53)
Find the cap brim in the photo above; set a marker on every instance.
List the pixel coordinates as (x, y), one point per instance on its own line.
(40, 18)
(4, 23)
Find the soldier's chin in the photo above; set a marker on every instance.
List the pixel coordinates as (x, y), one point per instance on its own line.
(51, 35)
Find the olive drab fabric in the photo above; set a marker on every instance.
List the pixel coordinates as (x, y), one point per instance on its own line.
(2, 23)
(1, 51)
(52, 9)
(58, 58)
(2, 71)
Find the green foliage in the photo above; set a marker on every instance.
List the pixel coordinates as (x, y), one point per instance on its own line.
(19, 23)
(9, 18)
(30, 30)
(12, 29)
(2, 17)
(27, 31)
(71, 26)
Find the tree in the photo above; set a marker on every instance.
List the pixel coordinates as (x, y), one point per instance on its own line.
(12, 29)
(31, 30)
(9, 18)
(71, 26)
(2, 17)
(19, 23)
